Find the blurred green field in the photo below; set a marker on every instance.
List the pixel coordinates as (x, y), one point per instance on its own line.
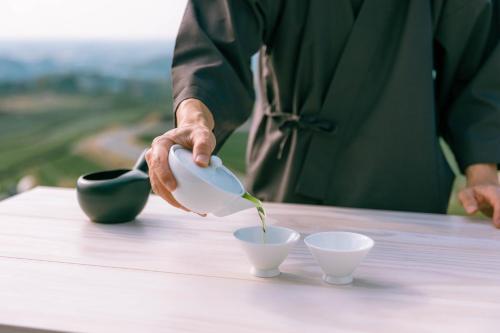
(233, 152)
(41, 142)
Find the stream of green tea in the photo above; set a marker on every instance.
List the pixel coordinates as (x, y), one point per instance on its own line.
(260, 209)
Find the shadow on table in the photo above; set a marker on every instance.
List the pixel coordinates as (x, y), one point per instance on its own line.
(360, 283)
(20, 329)
(135, 227)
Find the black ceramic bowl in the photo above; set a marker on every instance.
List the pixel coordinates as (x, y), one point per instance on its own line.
(113, 196)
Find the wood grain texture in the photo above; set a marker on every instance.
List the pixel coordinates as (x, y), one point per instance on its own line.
(172, 271)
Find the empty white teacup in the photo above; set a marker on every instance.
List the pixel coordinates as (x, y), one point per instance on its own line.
(338, 253)
(266, 251)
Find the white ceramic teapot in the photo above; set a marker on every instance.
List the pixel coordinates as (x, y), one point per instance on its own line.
(214, 189)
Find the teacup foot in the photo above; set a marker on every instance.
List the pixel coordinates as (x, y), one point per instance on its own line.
(265, 273)
(337, 279)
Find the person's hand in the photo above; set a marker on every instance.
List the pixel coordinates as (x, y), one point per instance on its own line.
(482, 192)
(194, 131)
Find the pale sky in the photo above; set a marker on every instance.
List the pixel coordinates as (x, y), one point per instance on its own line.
(90, 19)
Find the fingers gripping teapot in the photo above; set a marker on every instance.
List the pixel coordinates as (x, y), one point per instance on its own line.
(213, 189)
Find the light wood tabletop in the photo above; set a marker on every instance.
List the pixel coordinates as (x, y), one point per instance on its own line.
(170, 271)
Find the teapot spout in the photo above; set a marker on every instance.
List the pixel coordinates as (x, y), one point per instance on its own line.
(234, 206)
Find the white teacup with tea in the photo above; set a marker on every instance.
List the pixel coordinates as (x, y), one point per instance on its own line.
(266, 250)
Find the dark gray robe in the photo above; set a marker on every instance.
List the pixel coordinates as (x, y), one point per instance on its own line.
(352, 106)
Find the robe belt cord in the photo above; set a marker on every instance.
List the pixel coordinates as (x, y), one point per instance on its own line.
(289, 122)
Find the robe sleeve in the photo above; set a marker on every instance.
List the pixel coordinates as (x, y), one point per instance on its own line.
(212, 56)
(470, 74)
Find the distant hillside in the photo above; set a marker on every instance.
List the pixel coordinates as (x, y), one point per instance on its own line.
(153, 69)
(148, 60)
(88, 84)
(15, 70)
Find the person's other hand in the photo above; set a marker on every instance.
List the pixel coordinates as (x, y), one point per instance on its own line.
(194, 131)
(482, 192)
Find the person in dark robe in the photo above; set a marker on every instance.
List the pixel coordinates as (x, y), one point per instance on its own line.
(355, 96)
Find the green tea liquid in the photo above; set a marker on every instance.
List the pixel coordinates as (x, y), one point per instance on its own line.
(260, 209)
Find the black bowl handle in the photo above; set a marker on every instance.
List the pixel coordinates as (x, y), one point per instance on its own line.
(141, 163)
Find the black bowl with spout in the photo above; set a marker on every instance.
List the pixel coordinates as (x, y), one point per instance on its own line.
(114, 196)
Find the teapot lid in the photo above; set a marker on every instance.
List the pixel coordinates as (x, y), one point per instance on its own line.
(215, 174)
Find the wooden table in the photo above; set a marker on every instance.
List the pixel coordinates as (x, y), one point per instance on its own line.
(170, 271)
